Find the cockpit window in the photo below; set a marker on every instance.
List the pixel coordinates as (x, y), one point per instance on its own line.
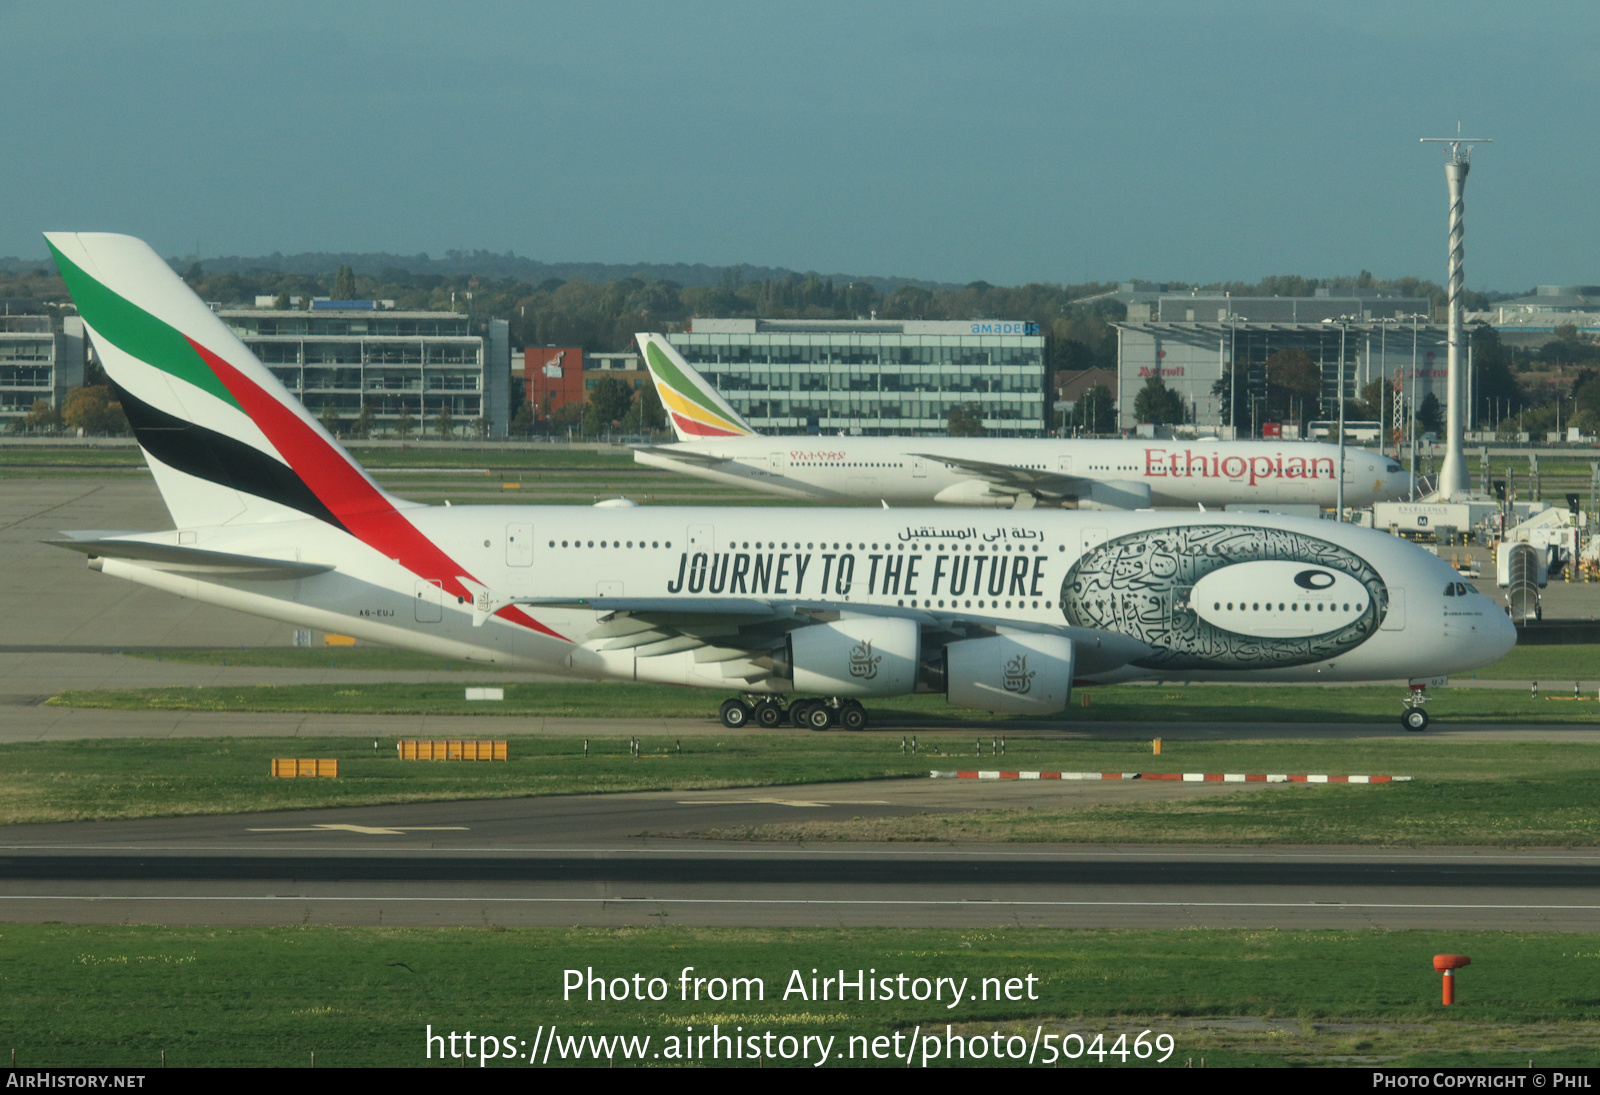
(1392, 468)
(1457, 589)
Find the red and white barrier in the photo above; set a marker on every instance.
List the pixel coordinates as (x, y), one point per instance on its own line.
(1186, 777)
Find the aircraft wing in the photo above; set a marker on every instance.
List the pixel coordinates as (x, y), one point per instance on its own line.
(1028, 484)
(683, 454)
(220, 564)
(736, 629)
(1009, 477)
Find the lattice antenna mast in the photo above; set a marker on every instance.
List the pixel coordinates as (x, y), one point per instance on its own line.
(1453, 475)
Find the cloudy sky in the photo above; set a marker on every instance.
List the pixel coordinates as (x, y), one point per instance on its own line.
(1009, 141)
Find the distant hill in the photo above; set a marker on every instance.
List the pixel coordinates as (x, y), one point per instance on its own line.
(488, 264)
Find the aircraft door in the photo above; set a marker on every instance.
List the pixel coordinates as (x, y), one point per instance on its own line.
(1064, 465)
(702, 538)
(519, 545)
(1089, 537)
(429, 602)
(919, 468)
(778, 463)
(1396, 619)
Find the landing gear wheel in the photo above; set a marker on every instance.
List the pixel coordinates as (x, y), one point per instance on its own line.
(816, 716)
(735, 714)
(1415, 719)
(852, 716)
(768, 715)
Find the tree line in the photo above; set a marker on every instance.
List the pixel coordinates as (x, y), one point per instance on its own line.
(1077, 320)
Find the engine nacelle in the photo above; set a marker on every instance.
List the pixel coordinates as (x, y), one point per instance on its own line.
(1010, 674)
(974, 492)
(862, 656)
(1115, 494)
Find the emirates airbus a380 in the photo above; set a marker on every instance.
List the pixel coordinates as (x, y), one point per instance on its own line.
(715, 443)
(803, 613)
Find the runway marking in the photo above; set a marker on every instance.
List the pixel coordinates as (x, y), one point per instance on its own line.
(787, 850)
(800, 802)
(987, 902)
(1183, 777)
(52, 509)
(368, 830)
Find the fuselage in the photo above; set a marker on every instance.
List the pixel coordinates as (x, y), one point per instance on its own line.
(1213, 596)
(899, 470)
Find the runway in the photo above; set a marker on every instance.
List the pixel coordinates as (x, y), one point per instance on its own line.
(628, 859)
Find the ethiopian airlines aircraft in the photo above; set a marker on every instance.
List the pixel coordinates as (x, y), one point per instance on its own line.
(716, 444)
(998, 612)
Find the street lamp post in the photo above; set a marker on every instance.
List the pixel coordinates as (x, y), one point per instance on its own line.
(1411, 425)
(1233, 374)
(1338, 512)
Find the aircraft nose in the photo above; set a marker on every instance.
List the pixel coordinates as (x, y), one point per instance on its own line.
(1498, 636)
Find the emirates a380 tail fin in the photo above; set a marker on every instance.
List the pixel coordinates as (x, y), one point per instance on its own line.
(224, 439)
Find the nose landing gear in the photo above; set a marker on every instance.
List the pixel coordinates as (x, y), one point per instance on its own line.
(1414, 718)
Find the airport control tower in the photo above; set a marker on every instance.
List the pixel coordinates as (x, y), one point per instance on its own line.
(1453, 474)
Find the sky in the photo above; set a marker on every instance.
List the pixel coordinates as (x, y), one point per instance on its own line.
(1061, 141)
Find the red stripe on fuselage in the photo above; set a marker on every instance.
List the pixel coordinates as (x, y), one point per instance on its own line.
(347, 492)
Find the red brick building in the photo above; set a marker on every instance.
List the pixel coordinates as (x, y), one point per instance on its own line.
(552, 377)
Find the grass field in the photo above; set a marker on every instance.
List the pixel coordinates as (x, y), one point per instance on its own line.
(1551, 664)
(119, 996)
(1463, 793)
(1118, 703)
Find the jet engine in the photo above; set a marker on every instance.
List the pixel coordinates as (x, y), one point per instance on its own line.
(1114, 494)
(1018, 674)
(860, 656)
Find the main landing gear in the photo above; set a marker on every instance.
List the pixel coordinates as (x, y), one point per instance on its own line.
(1414, 718)
(812, 714)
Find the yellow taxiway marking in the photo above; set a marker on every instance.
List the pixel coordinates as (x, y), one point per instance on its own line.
(777, 802)
(369, 830)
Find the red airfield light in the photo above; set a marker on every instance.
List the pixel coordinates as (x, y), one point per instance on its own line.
(1448, 964)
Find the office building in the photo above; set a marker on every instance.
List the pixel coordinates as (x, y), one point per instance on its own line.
(37, 362)
(873, 376)
(343, 355)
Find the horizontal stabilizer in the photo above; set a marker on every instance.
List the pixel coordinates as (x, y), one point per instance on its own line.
(220, 564)
(682, 453)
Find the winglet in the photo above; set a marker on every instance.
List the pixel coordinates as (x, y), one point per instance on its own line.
(697, 411)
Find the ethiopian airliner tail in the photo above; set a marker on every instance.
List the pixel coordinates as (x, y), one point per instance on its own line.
(697, 411)
(226, 442)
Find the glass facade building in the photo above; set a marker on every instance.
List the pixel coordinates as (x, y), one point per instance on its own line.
(336, 360)
(872, 376)
(37, 362)
(1190, 358)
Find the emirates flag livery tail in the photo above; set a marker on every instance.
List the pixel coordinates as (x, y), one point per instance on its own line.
(227, 444)
(696, 409)
(224, 439)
